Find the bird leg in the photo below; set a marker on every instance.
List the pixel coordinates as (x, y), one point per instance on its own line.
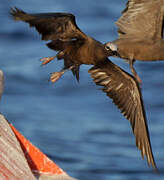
(46, 60)
(134, 72)
(56, 75)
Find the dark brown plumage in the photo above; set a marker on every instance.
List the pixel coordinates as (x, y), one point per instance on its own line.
(140, 30)
(76, 48)
(73, 45)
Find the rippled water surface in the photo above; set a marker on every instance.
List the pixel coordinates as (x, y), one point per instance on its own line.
(75, 124)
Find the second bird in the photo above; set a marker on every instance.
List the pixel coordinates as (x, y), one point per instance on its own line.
(140, 30)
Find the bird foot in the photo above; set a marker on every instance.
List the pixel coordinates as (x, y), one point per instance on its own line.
(56, 76)
(138, 79)
(134, 72)
(46, 60)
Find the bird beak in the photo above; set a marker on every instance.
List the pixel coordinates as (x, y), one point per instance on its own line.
(115, 53)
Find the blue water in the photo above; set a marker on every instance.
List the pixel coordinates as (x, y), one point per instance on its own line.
(75, 124)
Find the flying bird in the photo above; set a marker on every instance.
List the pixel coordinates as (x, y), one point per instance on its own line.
(76, 48)
(140, 32)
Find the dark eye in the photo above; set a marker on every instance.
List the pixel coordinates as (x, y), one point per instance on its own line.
(107, 48)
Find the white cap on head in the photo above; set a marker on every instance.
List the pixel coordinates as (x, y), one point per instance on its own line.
(112, 46)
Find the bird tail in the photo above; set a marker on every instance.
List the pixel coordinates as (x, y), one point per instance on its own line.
(75, 72)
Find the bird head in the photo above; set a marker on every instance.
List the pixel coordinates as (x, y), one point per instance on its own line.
(111, 49)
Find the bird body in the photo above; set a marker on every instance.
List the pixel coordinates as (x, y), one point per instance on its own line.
(79, 52)
(141, 50)
(76, 48)
(84, 52)
(140, 32)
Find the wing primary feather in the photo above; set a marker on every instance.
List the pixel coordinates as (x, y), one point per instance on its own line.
(126, 94)
(141, 19)
(52, 26)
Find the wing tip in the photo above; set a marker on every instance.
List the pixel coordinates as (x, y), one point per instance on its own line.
(16, 13)
(147, 152)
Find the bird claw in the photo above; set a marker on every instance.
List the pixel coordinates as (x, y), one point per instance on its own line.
(46, 60)
(55, 76)
(138, 79)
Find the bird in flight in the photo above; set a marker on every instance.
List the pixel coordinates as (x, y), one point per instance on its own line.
(76, 48)
(140, 31)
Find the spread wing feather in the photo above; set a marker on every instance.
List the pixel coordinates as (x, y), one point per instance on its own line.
(52, 26)
(142, 19)
(126, 94)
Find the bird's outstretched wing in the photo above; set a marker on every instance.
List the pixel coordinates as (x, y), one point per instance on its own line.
(52, 26)
(142, 19)
(126, 94)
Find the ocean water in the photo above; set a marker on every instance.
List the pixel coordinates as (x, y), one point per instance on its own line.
(75, 124)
